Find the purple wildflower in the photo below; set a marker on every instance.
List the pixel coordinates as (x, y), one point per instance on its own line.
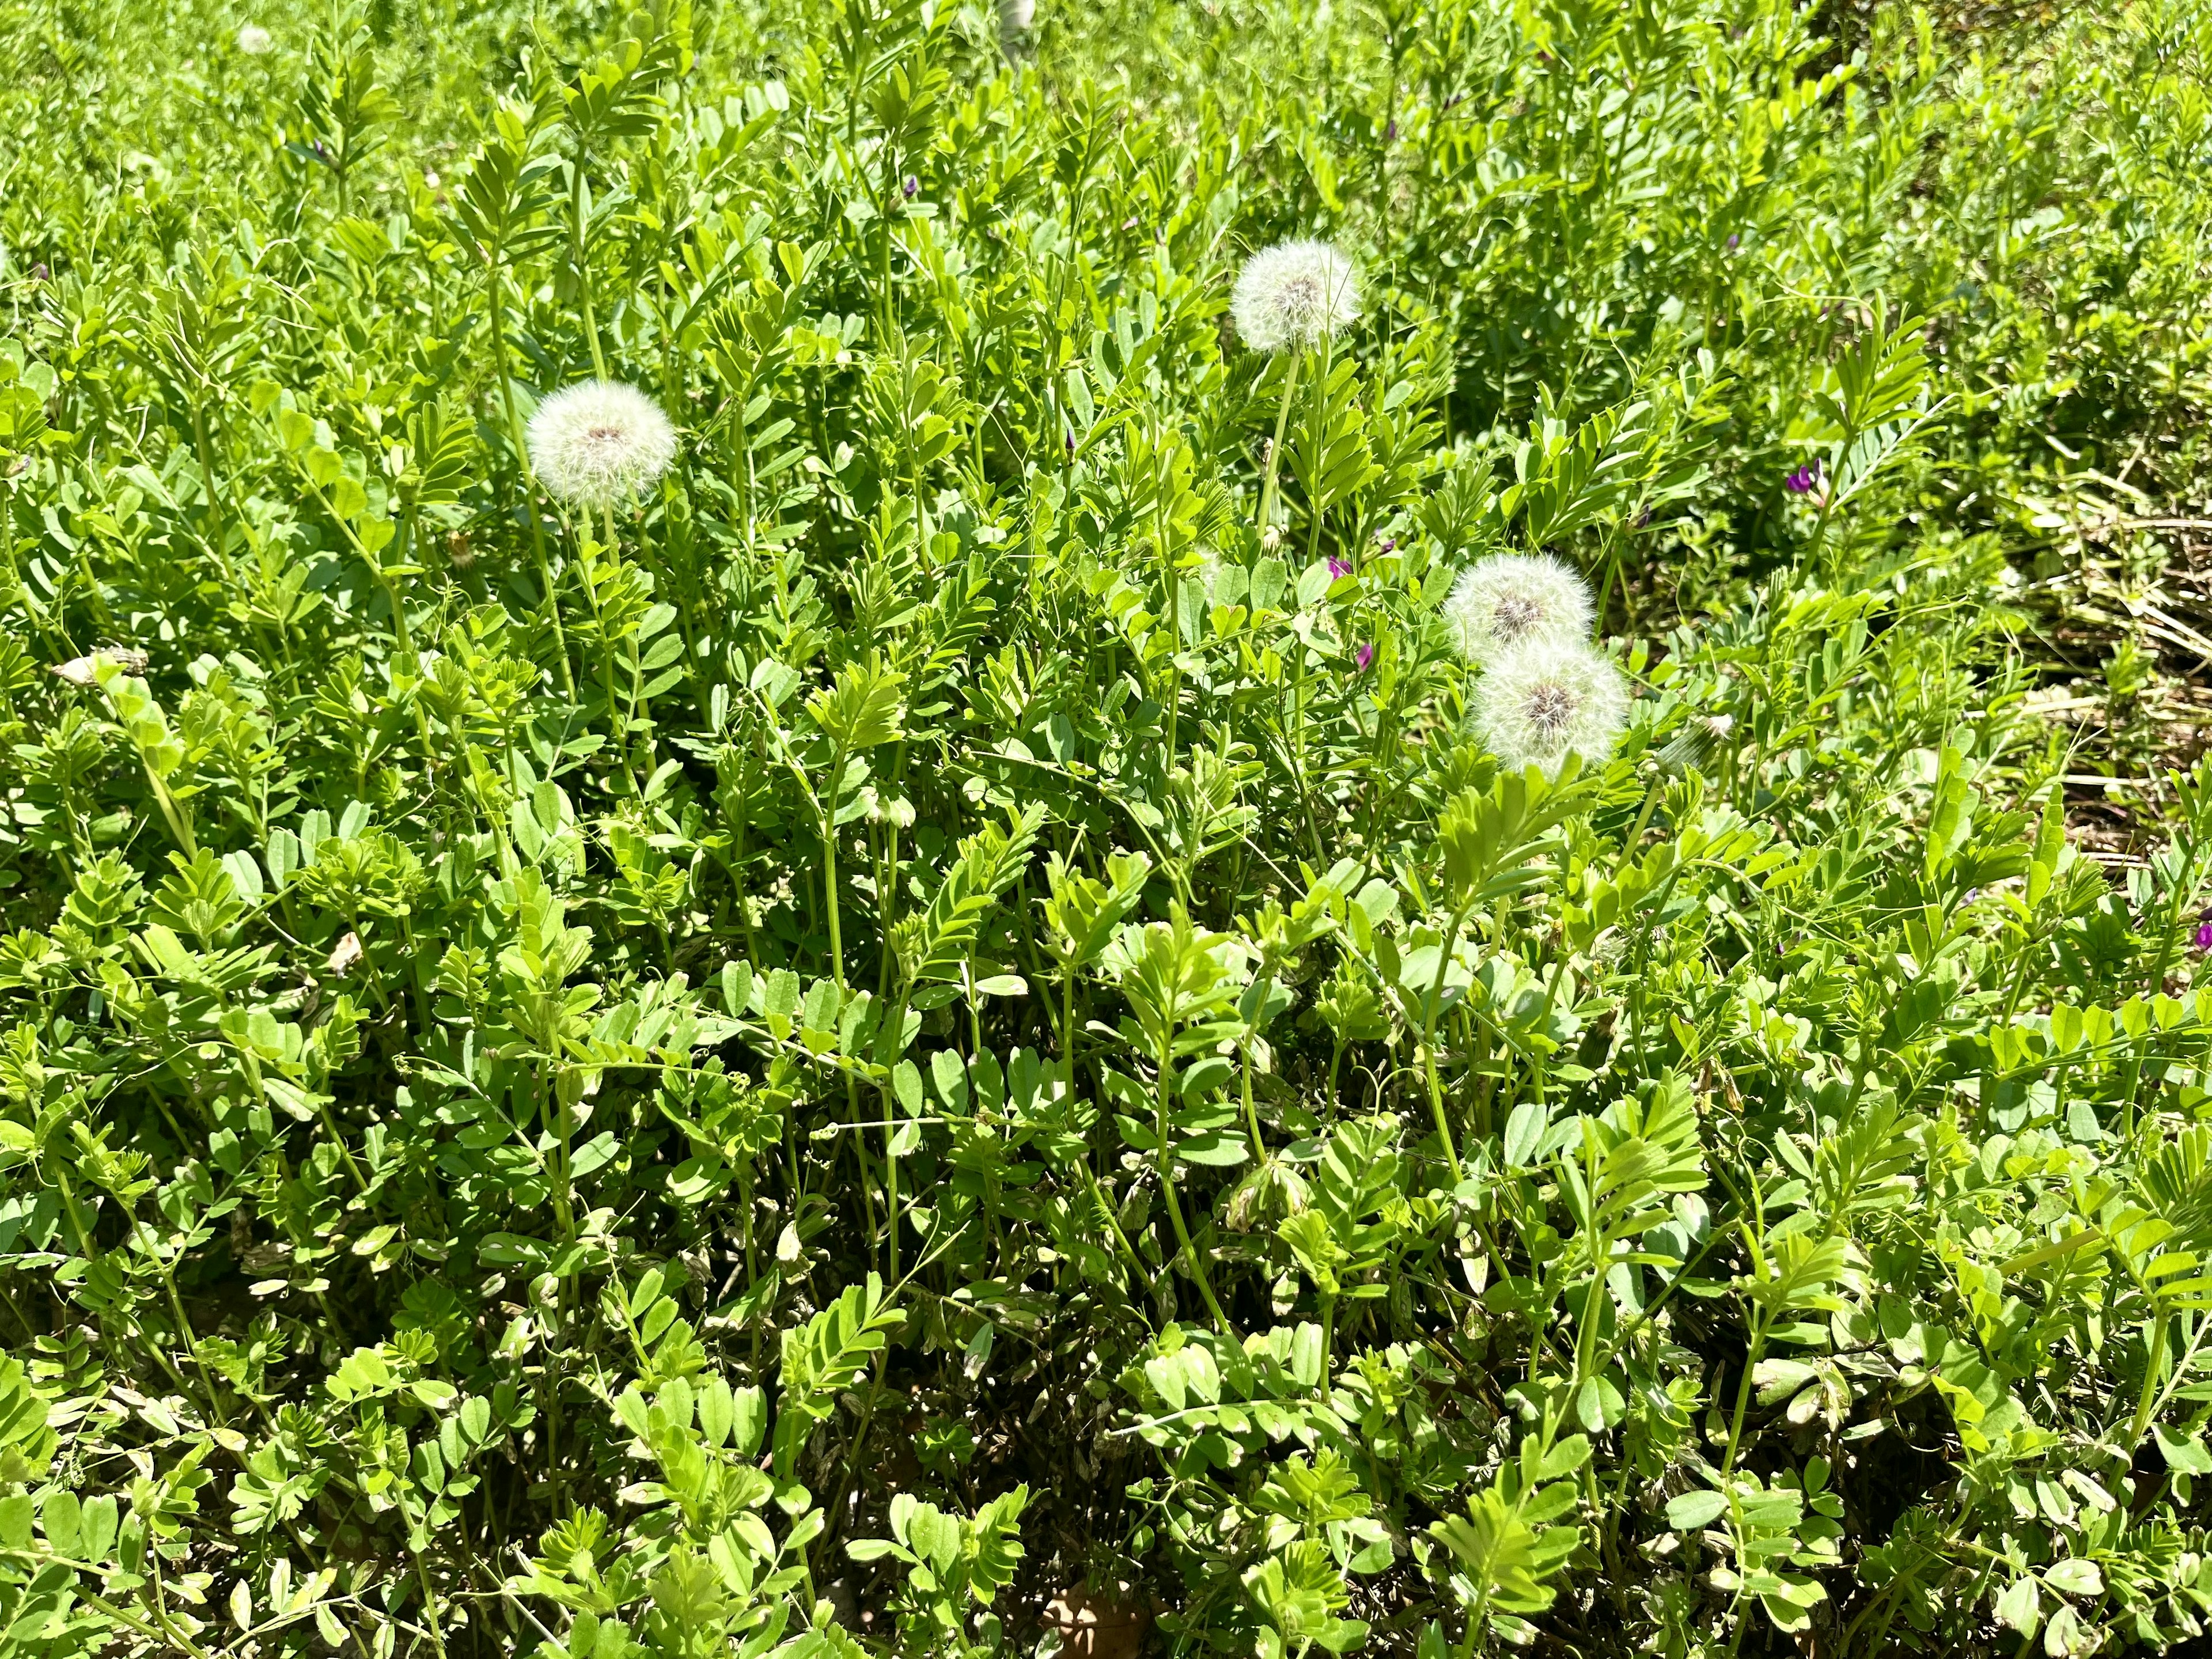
(1366, 655)
(1388, 544)
(2204, 931)
(1338, 569)
(1804, 481)
(1733, 240)
(1391, 132)
(911, 185)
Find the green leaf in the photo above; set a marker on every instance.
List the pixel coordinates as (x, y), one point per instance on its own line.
(1691, 1510)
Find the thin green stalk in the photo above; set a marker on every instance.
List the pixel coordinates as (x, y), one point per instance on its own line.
(1428, 1038)
(1163, 1160)
(827, 811)
(2147, 1397)
(516, 436)
(1275, 448)
(1319, 438)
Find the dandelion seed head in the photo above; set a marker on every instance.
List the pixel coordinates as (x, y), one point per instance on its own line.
(1515, 600)
(1540, 703)
(599, 442)
(1294, 294)
(253, 41)
(85, 670)
(345, 955)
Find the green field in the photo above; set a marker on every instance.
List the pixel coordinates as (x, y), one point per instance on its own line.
(1182, 828)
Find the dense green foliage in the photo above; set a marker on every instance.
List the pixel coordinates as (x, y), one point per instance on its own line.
(936, 1025)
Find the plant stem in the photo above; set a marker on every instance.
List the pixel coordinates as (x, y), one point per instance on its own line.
(1275, 448)
(529, 483)
(1163, 1160)
(1429, 1037)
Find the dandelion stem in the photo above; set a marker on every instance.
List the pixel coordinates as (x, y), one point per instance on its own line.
(496, 305)
(1275, 448)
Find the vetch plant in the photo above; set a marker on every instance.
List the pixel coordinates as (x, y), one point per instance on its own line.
(886, 986)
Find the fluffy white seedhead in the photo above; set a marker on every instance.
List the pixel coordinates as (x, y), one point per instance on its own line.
(1292, 294)
(253, 41)
(85, 670)
(1535, 704)
(599, 442)
(1512, 600)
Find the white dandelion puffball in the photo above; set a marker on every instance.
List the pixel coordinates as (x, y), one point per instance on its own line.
(253, 41)
(599, 442)
(85, 670)
(1293, 294)
(1535, 704)
(1512, 600)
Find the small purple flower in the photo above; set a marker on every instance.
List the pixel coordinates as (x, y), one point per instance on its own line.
(1366, 655)
(2204, 931)
(911, 185)
(1391, 132)
(1388, 545)
(1804, 481)
(1733, 240)
(1972, 893)
(39, 273)
(1338, 569)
